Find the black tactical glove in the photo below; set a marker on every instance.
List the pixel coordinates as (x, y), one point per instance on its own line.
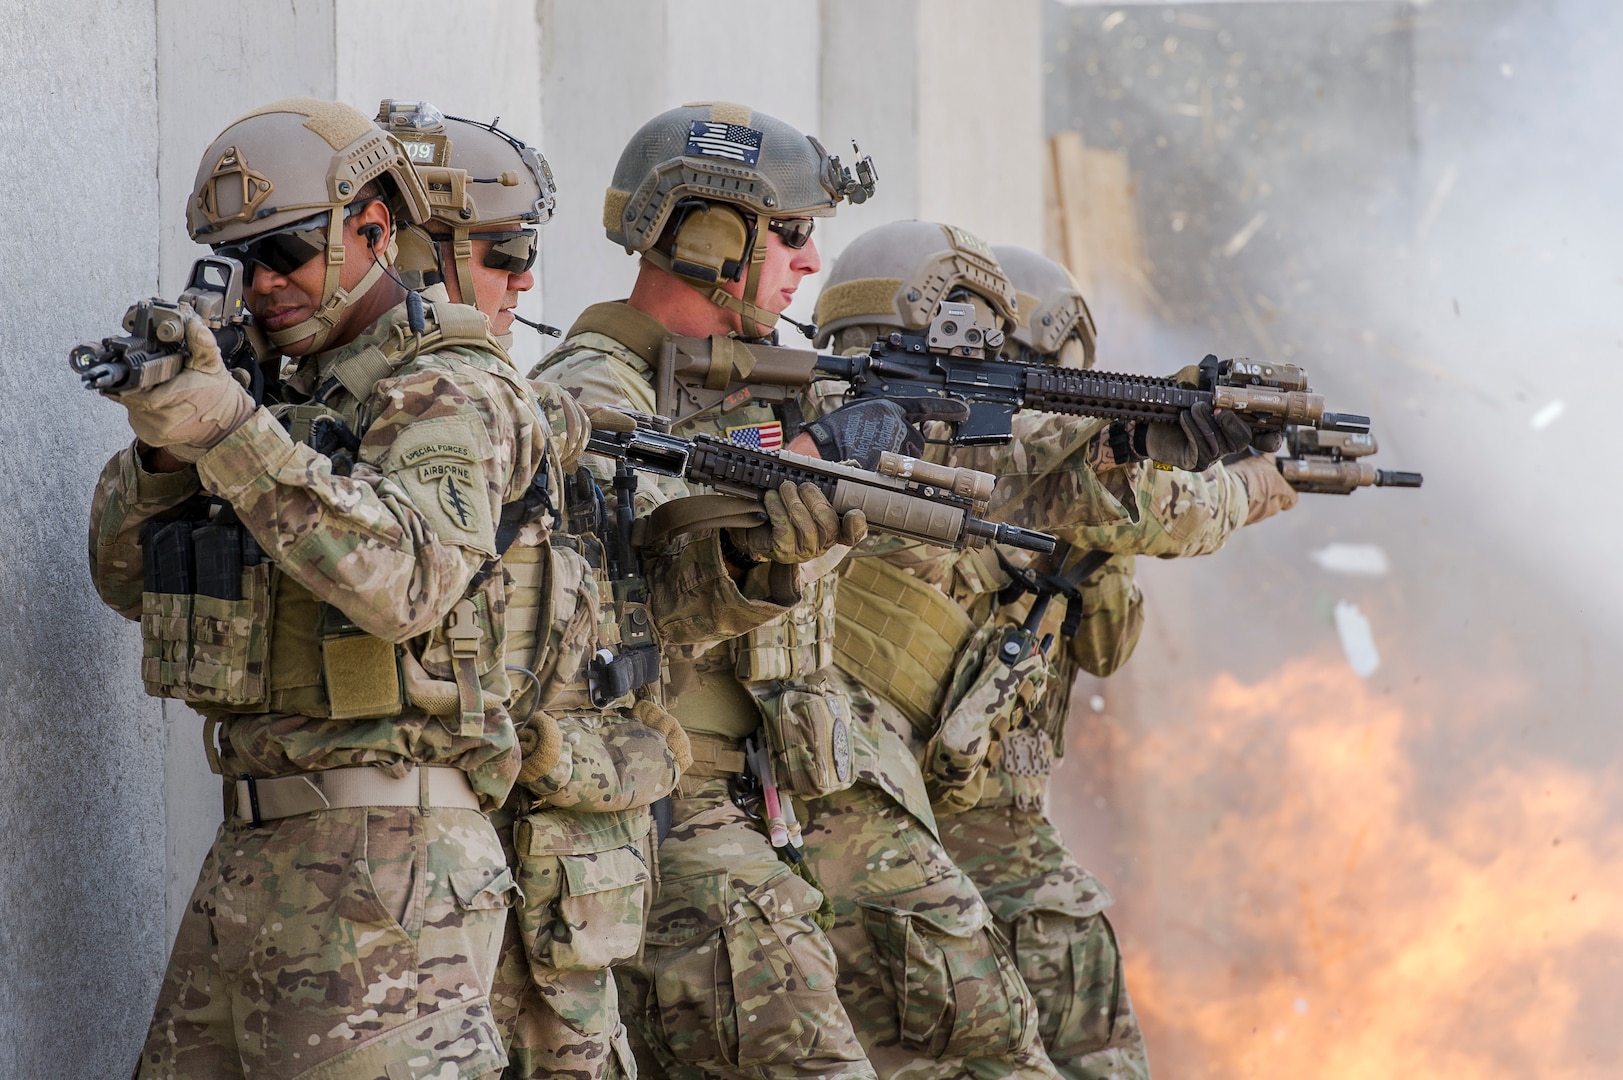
(864, 429)
(1200, 437)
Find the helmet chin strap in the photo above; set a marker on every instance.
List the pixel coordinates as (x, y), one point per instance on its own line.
(334, 301)
(462, 247)
(754, 321)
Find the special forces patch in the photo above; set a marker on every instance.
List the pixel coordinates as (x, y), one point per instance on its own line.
(439, 466)
(455, 486)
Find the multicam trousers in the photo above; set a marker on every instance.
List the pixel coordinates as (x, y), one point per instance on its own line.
(926, 977)
(584, 891)
(1052, 910)
(736, 979)
(350, 944)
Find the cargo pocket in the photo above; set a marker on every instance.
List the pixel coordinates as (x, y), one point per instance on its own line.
(598, 916)
(951, 975)
(166, 641)
(1072, 965)
(739, 978)
(809, 729)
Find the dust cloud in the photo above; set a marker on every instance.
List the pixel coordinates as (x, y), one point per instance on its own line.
(1357, 791)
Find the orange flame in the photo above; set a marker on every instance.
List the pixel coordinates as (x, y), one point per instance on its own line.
(1321, 903)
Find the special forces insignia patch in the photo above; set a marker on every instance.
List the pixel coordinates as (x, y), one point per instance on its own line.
(455, 486)
(439, 466)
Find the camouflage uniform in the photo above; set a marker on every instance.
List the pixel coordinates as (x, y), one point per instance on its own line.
(736, 978)
(363, 940)
(994, 822)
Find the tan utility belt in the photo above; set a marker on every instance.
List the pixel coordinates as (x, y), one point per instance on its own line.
(427, 786)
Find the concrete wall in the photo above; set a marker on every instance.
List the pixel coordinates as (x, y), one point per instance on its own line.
(106, 803)
(82, 937)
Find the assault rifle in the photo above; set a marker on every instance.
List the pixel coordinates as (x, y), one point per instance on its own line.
(1326, 463)
(153, 350)
(956, 358)
(904, 497)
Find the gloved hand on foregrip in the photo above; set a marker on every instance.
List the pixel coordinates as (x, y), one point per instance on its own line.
(956, 753)
(864, 429)
(1201, 436)
(193, 411)
(800, 526)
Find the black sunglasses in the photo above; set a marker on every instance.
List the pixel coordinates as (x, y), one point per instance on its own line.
(795, 232)
(285, 250)
(514, 250)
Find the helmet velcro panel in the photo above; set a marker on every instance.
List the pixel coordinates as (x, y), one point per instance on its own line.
(727, 112)
(867, 300)
(334, 121)
(614, 205)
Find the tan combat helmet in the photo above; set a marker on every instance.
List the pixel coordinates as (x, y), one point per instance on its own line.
(483, 184)
(685, 165)
(896, 276)
(290, 163)
(1055, 324)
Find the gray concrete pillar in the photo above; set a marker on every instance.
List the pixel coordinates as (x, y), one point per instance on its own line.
(81, 748)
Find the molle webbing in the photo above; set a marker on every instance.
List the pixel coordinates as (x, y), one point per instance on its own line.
(527, 573)
(641, 333)
(898, 636)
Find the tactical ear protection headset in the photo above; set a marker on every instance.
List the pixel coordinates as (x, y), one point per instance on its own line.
(710, 242)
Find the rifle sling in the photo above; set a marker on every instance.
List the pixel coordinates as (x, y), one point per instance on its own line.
(699, 512)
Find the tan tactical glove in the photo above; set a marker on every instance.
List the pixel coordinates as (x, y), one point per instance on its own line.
(998, 695)
(1266, 492)
(800, 526)
(197, 408)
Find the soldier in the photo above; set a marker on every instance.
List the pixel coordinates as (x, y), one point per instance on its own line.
(577, 833)
(348, 915)
(488, 191)
(767, 714)
(984, 726)
(737, 978)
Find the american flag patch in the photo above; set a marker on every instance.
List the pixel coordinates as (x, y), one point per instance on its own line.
(724, 140)
(767, 436)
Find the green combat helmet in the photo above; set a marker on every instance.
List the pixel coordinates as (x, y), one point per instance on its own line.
(483, 184)
(894, 277)
(1055, 324)
(693, 182)
(295, 166)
